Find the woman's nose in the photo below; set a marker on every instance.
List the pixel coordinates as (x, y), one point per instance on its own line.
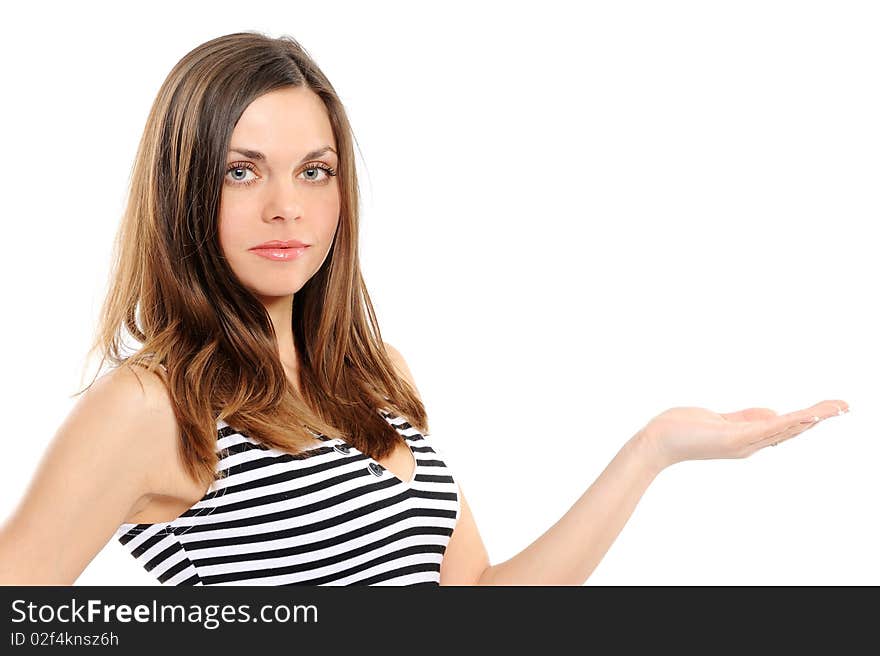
(284, 201)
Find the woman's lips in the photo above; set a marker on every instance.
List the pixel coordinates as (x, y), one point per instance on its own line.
(279, 254)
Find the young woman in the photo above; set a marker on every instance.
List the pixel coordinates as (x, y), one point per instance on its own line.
(262, 432)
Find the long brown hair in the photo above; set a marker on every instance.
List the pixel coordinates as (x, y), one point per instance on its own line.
(200, 330)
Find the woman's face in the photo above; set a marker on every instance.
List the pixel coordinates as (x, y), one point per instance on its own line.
(291, 193)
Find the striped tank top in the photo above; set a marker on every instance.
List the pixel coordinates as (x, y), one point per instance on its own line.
(332, 517)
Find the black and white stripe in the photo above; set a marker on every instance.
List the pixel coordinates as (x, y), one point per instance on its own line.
(334, 517)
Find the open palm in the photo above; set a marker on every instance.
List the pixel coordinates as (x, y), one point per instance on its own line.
(680, 434)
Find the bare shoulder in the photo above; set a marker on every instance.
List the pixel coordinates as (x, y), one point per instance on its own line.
(141, 392)
(138, 402)
(97, 470)
(152, 408)
(136, 383)
(400, 364)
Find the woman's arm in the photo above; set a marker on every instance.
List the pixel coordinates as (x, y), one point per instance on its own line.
(569, 551)
(97, 470)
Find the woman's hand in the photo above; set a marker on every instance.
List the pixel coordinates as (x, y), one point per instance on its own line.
(698, 434)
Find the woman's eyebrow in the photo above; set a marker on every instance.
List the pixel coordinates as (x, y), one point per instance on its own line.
(257, 155)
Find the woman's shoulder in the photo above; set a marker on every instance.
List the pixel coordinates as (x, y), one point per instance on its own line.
(137, 389)
(401, 366)
(128, 375)
(142, 398)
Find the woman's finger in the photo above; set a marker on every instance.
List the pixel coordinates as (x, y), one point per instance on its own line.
(779, 428)
(787, 434)
(749, 414)
(768, 436)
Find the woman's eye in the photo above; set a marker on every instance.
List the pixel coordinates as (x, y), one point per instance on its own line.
(321, 173)
(241, 171)
(315, 174)
(316, 170)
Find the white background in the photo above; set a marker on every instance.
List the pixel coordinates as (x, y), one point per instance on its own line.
(573, 219)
